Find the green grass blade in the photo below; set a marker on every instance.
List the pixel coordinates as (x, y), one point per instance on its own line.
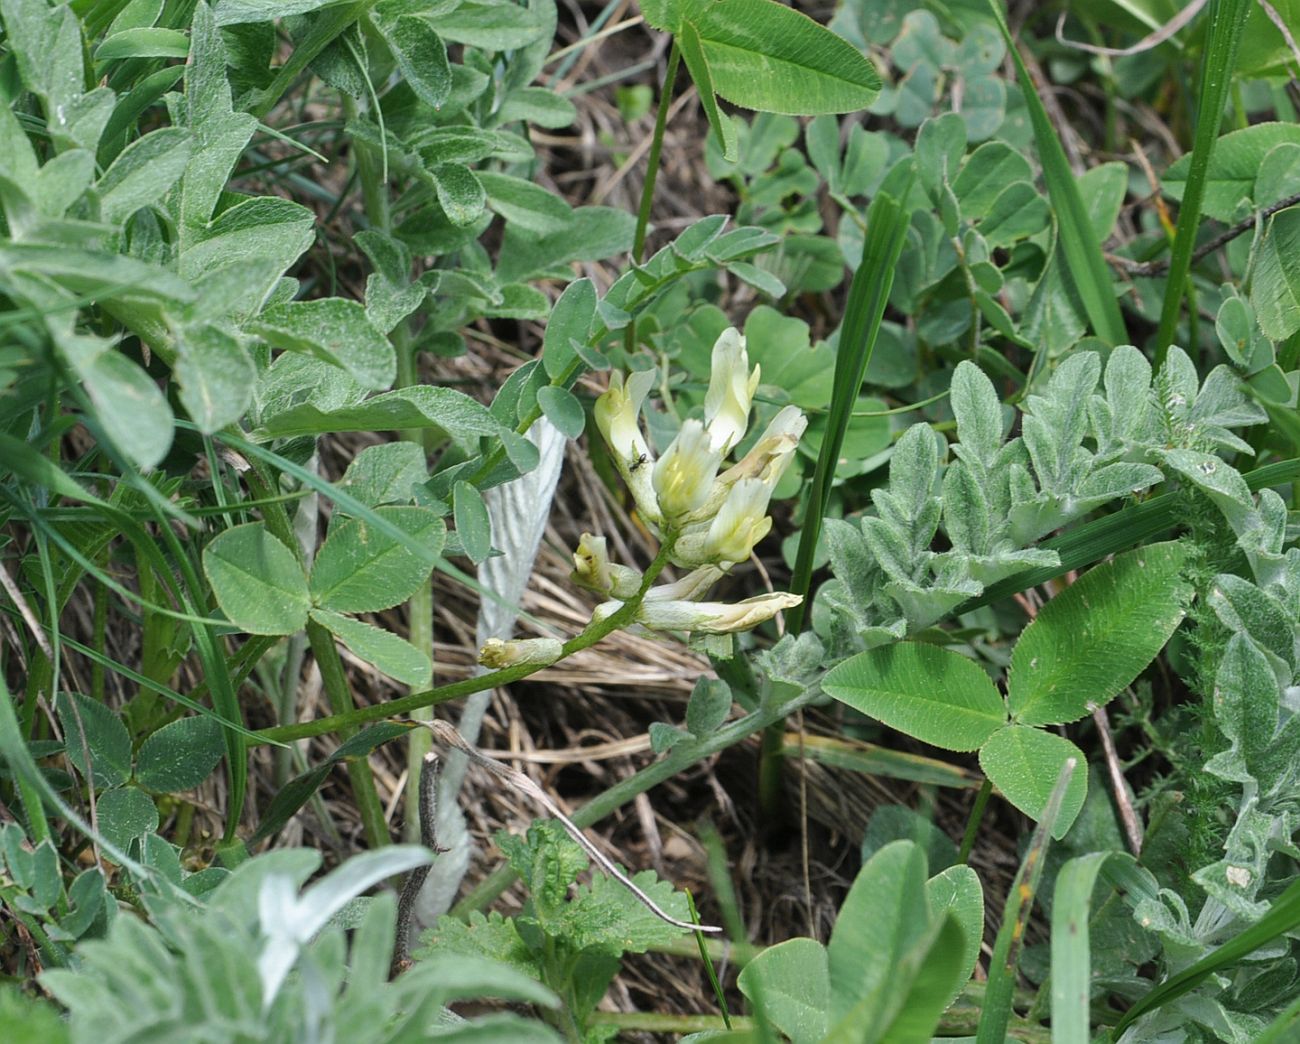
(1227, 18)
(1011, 935)
(887, 224)
(1071, 951)
(1075, 237)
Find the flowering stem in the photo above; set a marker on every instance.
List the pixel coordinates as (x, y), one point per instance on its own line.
(443, 693)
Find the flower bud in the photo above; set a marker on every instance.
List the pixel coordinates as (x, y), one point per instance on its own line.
(683, 477)
(690, 588)
(497, 654)
(593, 570)
(618, 415)
(731, 391)
(714, 617)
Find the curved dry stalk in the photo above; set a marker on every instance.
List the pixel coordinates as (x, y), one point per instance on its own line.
(447, 734)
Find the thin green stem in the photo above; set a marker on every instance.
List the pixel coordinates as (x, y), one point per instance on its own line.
(656, 148)
(335, 683)
(662, 1022)
(973, 823)
(651, 176)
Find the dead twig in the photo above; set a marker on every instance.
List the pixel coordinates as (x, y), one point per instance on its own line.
(1151, 268)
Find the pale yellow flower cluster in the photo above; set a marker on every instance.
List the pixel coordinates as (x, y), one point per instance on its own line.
(713, 516)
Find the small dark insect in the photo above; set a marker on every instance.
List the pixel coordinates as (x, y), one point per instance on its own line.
(641, 459)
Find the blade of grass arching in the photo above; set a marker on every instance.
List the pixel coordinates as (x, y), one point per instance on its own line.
(999, 993)
(1075, 237)
(1227, 18)
(887, 224)
(708, 963)
(1283, 916)
(108, 663)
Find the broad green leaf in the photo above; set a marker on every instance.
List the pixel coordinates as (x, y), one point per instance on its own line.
(883, 916)
(940, 145)
(392, 655)
(239, 12)
(421, 56)
(539, 106)
(790, 983)
(979, 415)
(1234, 165)
(220, 134)
(1024, 763)
(473, 523)
(708, 707)
(258, 231)
(1275, 286)
(144, 42)
(180, 756)
(91, 728)
(143, 173)
(386, 474)
(562, 408)
(1018, 212)
(335, 330)
(460, 193)
(125, 814)
(765, 56)
(986, 172)
(424, 406)
(1095, 637)
(1243, 607)
(525, 204)
(1279, 175)
(128, 404)
(216, 375)
(1246, 697)
(570, 321)
(934, 971)
(362, 570)
(782, 346)
(956, 891)
(494, 25)
(63, 181)
(935, 695)
(257, 580)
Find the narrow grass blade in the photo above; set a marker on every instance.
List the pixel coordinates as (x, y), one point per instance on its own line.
(1071, 949)
(887, 224)
(1227, 18)
(1074, 233)
(1020, 902)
